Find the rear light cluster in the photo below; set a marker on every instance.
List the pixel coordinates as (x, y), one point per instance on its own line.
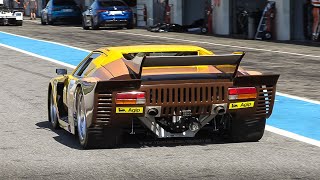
(100, 11)
(131, 98)
(127, 10)
(242, 93)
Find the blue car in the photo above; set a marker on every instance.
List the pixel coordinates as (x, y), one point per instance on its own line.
(107, 13)
(61, 10)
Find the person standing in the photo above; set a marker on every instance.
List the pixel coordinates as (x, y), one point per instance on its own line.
(33, 8)
(316, 14)
(21, 4)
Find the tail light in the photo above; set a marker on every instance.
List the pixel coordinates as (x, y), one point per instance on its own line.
(242, 93)
(100, 11)
(130, 98)
(56, 9)
(128, 10)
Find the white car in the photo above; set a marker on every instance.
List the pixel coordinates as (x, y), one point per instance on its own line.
(10, 16)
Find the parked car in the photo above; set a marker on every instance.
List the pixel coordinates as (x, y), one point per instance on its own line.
(61, 11)
(107, 13)
(10, 16)
(160, 91)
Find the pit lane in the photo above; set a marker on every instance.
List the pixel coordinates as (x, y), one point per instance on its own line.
(31, 150)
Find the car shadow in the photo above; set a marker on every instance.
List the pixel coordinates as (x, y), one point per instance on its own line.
(131, 141)
(63, 137)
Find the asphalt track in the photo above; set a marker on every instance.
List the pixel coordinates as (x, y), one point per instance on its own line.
(30, 149)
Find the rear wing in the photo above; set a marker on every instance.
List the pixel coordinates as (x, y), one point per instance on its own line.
(229, 63)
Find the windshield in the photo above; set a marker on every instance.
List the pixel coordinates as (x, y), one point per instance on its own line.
(63, 2)
(111, 3)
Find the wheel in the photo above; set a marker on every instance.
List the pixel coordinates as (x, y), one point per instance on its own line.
(53, 116)
(250, 130)
(130, 25)
(93, 26)
(19, 23)
(84, 25)
(267, 36)
(49, 22)
(93, 137)
(204, 30)
(42, 21)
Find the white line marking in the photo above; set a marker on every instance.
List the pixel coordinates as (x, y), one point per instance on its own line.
(60, 44)
(39, 56)
(268, 128)
(292, 135)
(216, 44)
(298, 98)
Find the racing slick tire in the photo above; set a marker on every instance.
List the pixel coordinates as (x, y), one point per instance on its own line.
(96, 136)
(53, 113)
(249, 130)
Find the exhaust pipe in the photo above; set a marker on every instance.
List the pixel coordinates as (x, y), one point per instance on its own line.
(153, 112)
(220, 110)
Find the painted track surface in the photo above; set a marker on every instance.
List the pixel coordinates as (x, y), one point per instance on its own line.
(29, 149)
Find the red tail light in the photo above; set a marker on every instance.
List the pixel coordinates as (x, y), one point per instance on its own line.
(128, 10)
(242, 93)
(100, 11)
(130, 98)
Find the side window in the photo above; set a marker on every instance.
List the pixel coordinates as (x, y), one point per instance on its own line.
(83, 68)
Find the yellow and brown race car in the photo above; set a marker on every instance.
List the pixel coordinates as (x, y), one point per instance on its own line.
(167, 91)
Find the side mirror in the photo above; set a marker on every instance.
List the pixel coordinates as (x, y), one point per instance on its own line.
(61, 71)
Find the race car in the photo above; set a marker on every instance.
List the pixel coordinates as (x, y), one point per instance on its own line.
(10, 16)
(162, 91)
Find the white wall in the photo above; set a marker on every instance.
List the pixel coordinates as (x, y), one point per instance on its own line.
(221, 18)
(282, 21)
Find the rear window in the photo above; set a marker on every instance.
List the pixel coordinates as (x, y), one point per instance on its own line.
(111, 3)
(63, 2)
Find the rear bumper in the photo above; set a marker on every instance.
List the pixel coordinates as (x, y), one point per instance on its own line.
(66, 17)
(8, 21)
(181, 99)
(114, 23)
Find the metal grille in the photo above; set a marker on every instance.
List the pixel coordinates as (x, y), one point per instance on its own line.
(265, 101)
(104, 107)
(197, 97)
(186, 95)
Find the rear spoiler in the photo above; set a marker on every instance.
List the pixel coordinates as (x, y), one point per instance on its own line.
(136, 65)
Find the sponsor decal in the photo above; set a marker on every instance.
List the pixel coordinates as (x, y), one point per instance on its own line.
(129, 110)
(241, 105)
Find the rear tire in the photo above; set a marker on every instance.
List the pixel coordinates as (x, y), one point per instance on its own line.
(97, 136)
(130, 25)
(250, 130)
(19, 23)
(42, 21)
(49, 22)
(84, 25)
(93, 26)
(53, 114)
